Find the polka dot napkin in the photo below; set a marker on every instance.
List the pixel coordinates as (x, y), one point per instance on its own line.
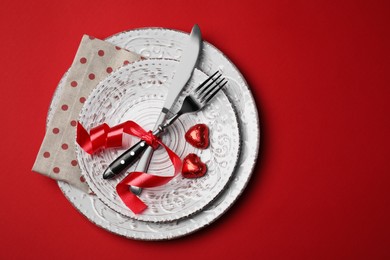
(94, 60)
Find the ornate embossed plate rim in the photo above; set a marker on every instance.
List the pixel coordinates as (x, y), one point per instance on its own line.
(84, 203)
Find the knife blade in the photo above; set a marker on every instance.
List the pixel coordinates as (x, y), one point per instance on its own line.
(183, 73)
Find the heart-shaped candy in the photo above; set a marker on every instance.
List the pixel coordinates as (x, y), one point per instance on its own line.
(198, 136)
(193, 167)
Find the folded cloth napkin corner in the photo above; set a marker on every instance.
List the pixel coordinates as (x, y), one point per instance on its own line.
(94, 60)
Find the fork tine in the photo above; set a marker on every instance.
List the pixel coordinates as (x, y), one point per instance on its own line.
(207, 88)
(215, 91)
(206, 93)
(205, 82)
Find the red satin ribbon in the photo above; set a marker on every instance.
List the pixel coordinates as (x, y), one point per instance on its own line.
(103, 136)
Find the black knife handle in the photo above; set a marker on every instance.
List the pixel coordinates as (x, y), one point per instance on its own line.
(125, 160)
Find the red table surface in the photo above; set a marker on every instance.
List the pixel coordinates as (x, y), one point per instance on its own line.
(319, 72)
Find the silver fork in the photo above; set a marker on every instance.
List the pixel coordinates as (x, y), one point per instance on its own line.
(193, 102)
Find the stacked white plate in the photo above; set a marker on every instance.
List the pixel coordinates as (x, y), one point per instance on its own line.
(137, 92)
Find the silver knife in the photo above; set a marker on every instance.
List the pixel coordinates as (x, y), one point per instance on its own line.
(182, 75)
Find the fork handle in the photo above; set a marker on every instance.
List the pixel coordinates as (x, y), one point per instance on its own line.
(125, 160)
(130, 156)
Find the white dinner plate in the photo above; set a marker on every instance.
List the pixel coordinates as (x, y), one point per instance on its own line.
(137, 92)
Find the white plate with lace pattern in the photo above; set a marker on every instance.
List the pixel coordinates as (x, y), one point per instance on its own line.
(137, 92)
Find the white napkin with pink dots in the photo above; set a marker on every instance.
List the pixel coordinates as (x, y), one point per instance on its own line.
(94, 60)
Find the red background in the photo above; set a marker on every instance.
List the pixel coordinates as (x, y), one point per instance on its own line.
(319, 71)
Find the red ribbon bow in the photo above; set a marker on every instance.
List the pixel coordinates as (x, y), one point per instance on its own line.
(103, 136)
